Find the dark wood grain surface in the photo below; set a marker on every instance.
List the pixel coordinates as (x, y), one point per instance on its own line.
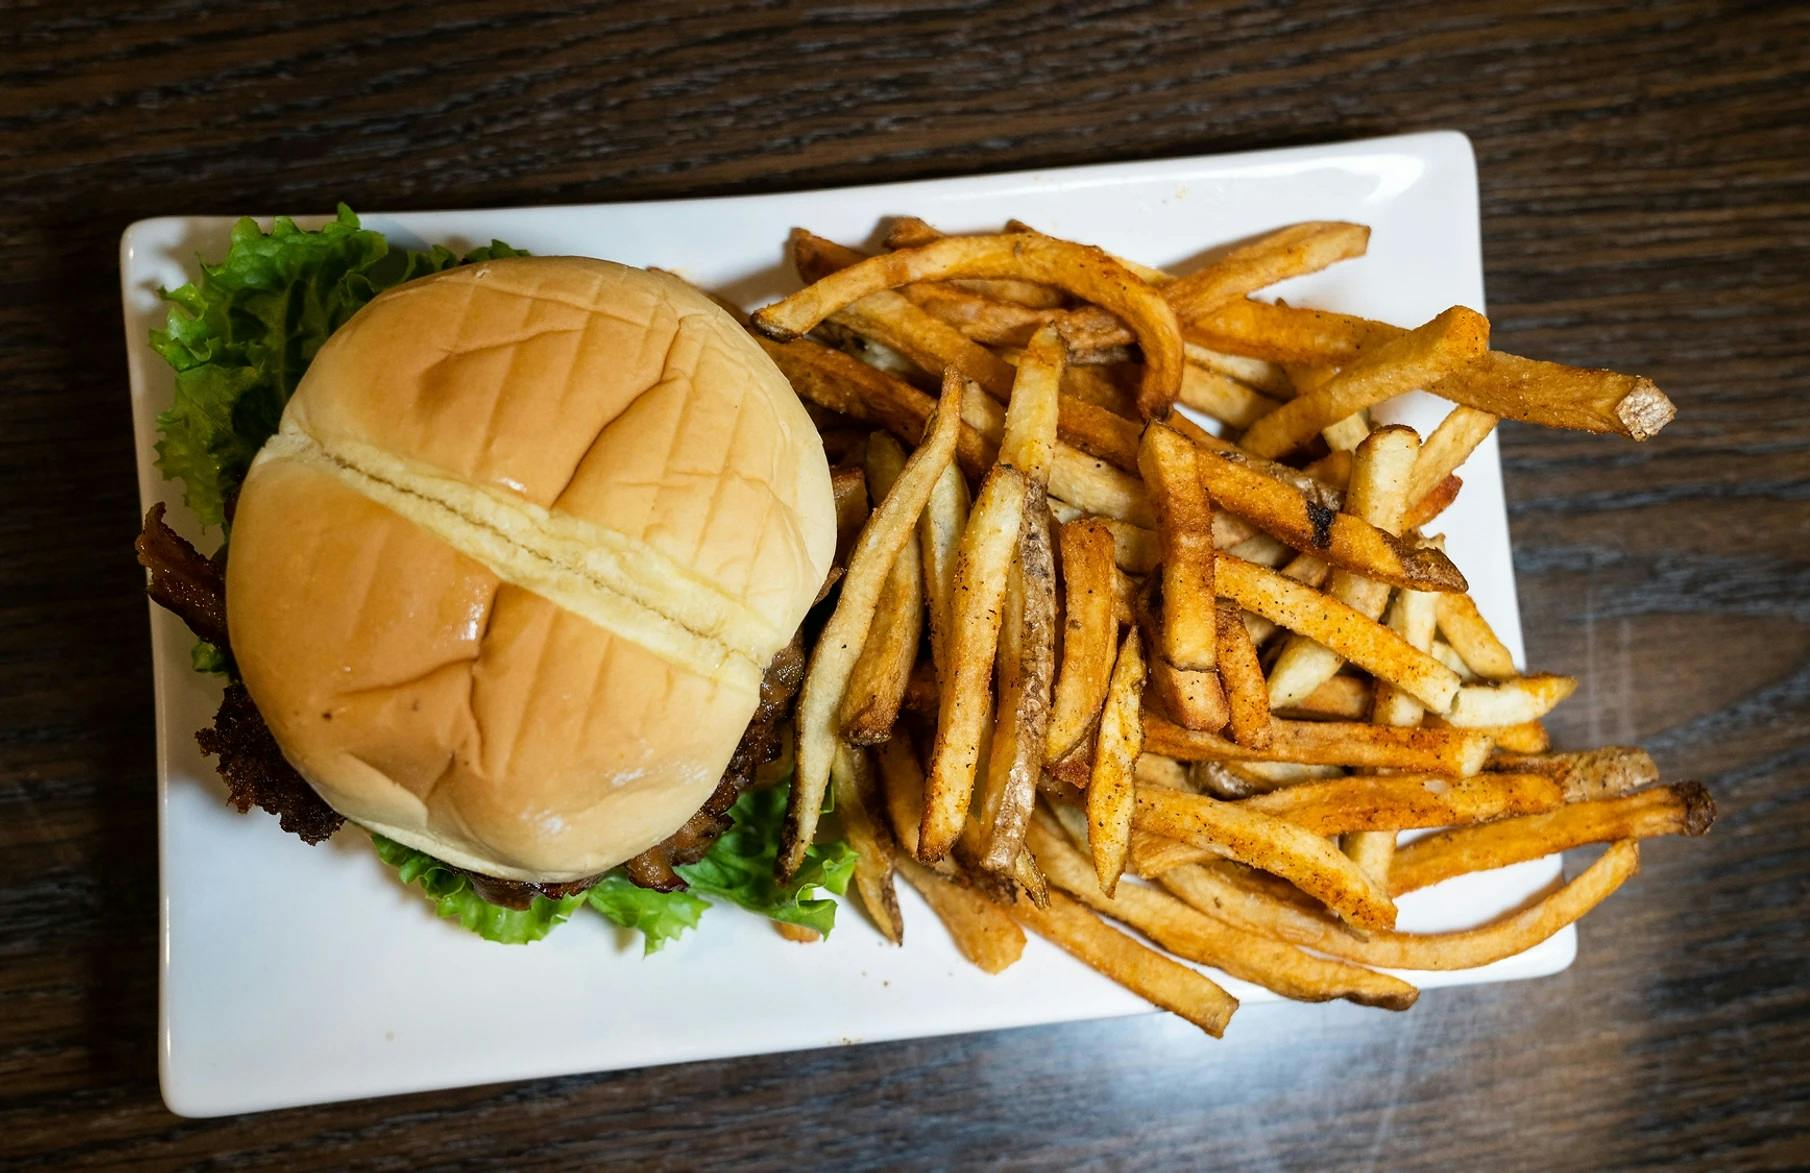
(1646, 202)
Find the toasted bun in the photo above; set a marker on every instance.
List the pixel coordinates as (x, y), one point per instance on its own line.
(505, 582)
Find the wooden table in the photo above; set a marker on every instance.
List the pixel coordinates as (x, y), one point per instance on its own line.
(1646, 189)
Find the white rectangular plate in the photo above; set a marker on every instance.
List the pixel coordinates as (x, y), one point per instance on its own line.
(296, 975)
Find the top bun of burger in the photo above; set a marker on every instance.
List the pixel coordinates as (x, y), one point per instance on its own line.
(505, 582)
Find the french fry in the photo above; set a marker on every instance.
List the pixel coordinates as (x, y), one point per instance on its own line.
(1026, 655)
(1185, 528)
(1151, 975)
(845, 384)
(891, 319)
(1194, 936)
(1344, 539)
(877, 686)
(1400, 802)
(1466, 949)
(1086, 272)
(1235, 780)
(1512, 702)
(858, 801)
(838, 648)
(1111, 788)
(1270, 844)
(1380, 472)
(966, 702)
(1265, 377)
(1471, 636)
(1029, 442)
(1681, 809)
(1089, 635)
(1442, 651)
(1354, 636)
(1501, 384)
(1247, 695)
(1152, 769)
(939, 543)
(1082, 481)
(1276, 256)
(1416, 359)
(1339, 698)
(848, 486)
(1223, 397)
(983, 932)
(1591, 774)
(1447, 447)
(1412, 616)
(1459, 752)
(912, 231)
(1529, 737)
(981, 318)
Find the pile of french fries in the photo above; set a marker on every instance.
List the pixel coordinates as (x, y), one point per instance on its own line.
(1093, 662)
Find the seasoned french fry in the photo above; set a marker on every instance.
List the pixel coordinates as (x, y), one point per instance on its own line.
(1111, 787)
(1380, 472)
(1344, 539)
(1086, 272)
(1473, 639)
(1525, 698)
(1529, 737)
(1276, 256)
(1195, 936)
(1681, 809)
(1258, 374)
(1354, 636)
(939, 542)
(912, 231)
(1447, 447)
(1597, 773)
(1459, 752)
(1147, 973)
(1029, 443)
(1270, 844)
(1026, 665)
(877, 686)
(1411, 616)
(1400, 802)
(1339, 698)
(1089, 635)
(1247, 695)
(839, 646)
(891, 319)
(1288, 334)
(966, 702)
(1467, 949)
(984, 932)
(848, 486)
(858, 802)
(1185, 527)
(1223, 397)
(1416, 359)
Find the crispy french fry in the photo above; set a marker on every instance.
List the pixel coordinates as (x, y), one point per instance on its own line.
(1111, 787)
(1154, 769)
(1416, 359)
(839, 646)
(1459, 752)
(1029, 443)
(1223, 397)
(1194, 936)
(1270, 844)
(1089, 635)
(1380, 471)
(939, 542)
(912, 231)
(1400, 802)
(1151, 975)
(1471, 636)
(891, 319)
(1411, 616)
(1354, 636)
(1529, 737)
(877, 686)
(1339, 698)
(983, 931)
(1086, 272)
(1681, 809)
(1344, 539)
(1597, 773)
(858, 802)
(1185, 527)
(1467, 949)
(1423, 511)
(849, 488)
(1262, 376)
(1501, 384)
(1247, 695)
(966, 702)
(1525, 698)
(1026, 665)
(981, 318)
(1447, 448)
(1276, 256)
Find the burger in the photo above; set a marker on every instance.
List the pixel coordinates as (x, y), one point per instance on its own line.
(519, 549)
